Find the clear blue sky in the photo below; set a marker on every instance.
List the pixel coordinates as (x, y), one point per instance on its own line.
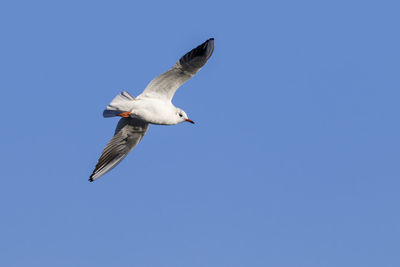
(293, 160)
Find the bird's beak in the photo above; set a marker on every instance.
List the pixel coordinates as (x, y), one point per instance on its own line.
(189, 120)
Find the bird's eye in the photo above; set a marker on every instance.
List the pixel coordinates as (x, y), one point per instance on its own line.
(180, 115)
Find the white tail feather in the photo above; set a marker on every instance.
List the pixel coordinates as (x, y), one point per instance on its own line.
(121, 103)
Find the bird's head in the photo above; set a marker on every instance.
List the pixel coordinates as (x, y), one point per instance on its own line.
(181, 116)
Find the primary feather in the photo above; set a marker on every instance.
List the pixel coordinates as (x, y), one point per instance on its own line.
(165, 85)
(127, 135)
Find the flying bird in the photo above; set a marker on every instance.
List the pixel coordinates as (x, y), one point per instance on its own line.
(152, 106)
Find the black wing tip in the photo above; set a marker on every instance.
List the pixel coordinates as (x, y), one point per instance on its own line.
(205, 48)
(209, 42)
(91, 178)
(203, 51)
(209, 46)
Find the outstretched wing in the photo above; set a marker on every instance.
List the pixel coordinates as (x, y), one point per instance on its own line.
(165, 85)
(127, 135)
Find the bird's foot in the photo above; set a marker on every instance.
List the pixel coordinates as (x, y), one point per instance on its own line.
(125, 114)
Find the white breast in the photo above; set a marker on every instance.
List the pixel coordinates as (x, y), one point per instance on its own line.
(155, 111)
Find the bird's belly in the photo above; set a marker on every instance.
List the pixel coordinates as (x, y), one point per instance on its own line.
(154, 112)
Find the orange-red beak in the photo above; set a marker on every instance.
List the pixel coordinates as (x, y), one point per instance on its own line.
(189, 120)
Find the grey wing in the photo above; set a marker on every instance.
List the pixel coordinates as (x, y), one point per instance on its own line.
(165, 85)
(127, 135)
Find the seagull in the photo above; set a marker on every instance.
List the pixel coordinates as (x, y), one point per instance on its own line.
(152, 106)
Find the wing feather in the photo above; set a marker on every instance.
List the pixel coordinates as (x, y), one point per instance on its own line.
(128, 134)
(165, 85)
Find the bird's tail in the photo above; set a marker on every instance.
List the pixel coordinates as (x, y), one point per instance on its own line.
(120, 103)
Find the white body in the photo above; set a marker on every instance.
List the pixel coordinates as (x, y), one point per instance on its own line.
(154, 110)
(149, 109)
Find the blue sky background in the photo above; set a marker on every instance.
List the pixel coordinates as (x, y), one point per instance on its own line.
(293, 160)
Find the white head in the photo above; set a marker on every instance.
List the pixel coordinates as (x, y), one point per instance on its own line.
(181, 116)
